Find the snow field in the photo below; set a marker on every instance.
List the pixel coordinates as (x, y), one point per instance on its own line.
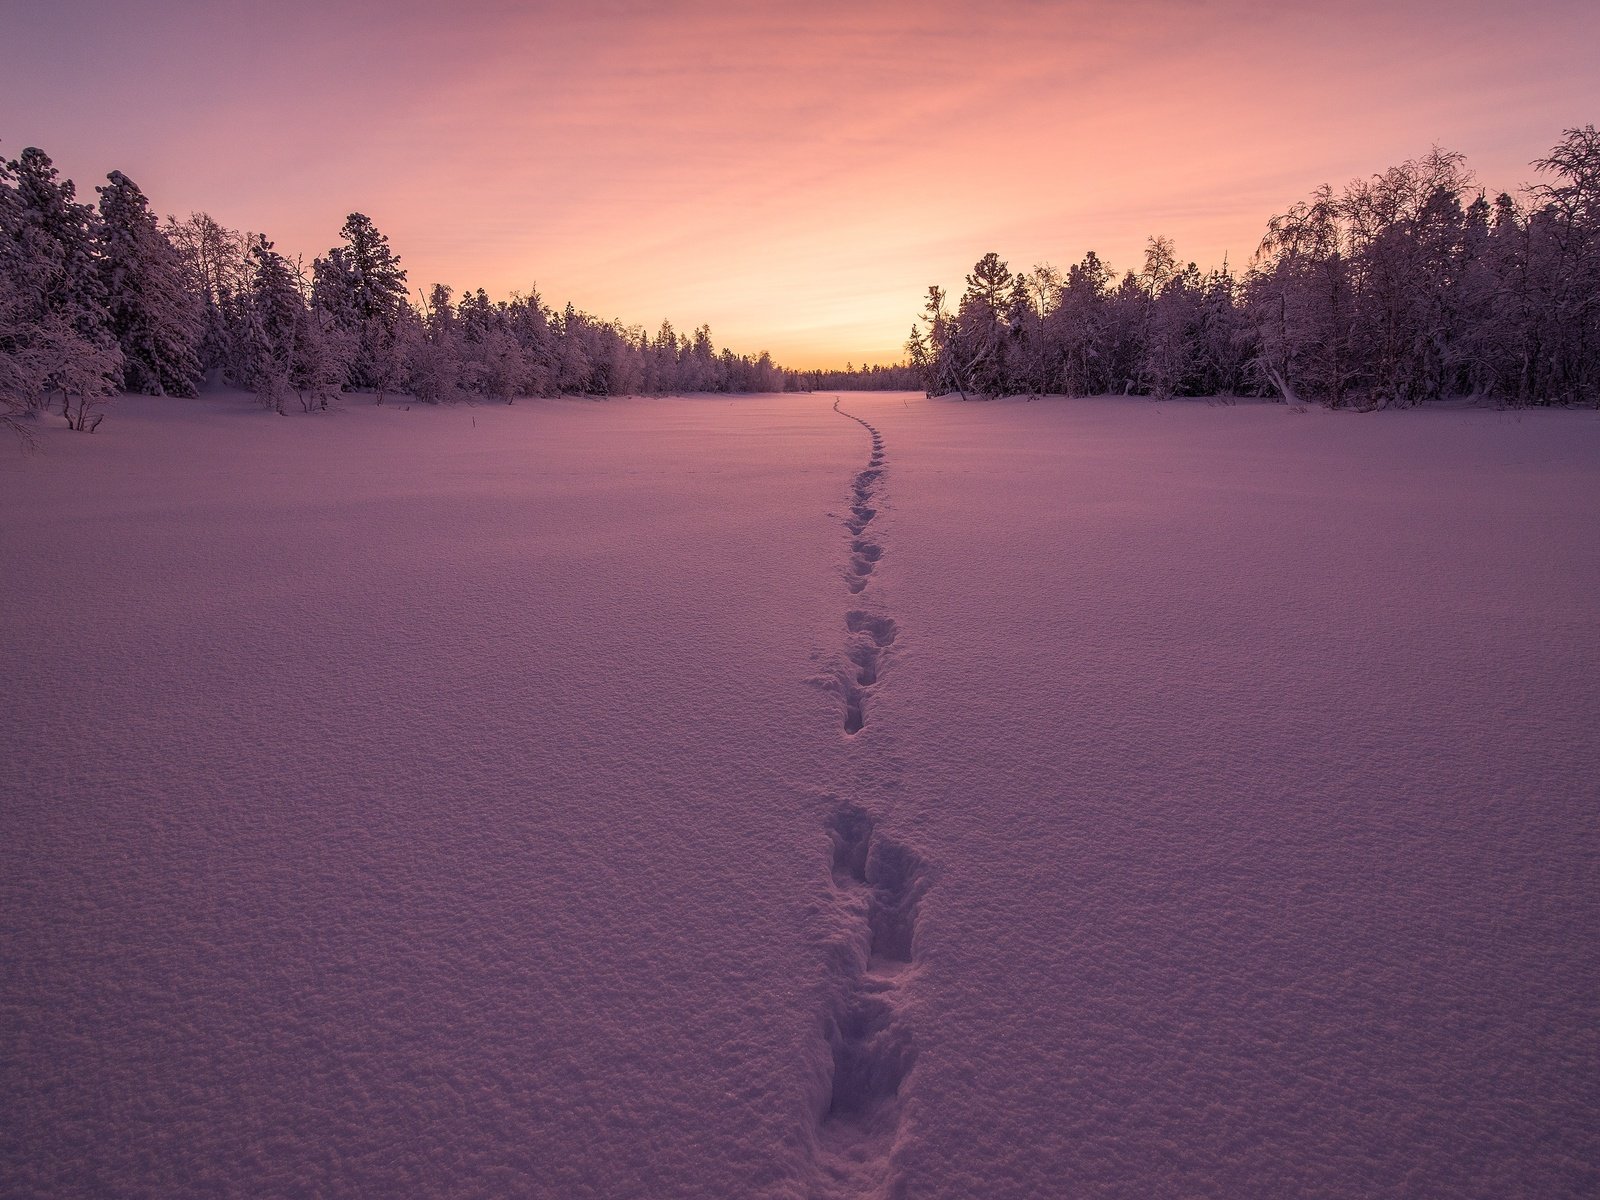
(1252, 753)
(647, 798)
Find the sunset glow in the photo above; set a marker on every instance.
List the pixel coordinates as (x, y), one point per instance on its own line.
(793, 175)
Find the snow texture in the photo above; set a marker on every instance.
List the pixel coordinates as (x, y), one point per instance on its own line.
(711, 797)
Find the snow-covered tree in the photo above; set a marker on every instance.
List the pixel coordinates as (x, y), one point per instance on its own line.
(154, 314)
(362, 288)
(1222, 342)
(1078, 326)
(54, 335)
(431, 350)
(53, 340)
(272, 318)
(216, 266)
(933, 350)
(981, 329)
(1170, 333)
(1563, 273)
(56, 237)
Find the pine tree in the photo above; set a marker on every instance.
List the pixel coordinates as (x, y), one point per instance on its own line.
(153, 315)
(529, 322)
(1079, 327)
(362, 287)
(981, 334)
(333, 289)
(15, 383)
(273, 313)
(431, 350)
(53, 337)
(57, 245)
(379, 284)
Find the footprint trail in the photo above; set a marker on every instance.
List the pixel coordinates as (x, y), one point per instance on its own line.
(876, 889)
(870, 636)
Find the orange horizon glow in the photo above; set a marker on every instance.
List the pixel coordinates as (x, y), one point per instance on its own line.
(795, 177)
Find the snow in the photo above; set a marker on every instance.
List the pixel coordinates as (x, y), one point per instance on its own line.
(459, 801)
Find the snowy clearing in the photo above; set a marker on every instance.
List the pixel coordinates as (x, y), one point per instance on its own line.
(736, 797)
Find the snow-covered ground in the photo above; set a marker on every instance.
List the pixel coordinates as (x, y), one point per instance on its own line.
(685, 798)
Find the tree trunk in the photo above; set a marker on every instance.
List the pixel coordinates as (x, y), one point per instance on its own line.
(1285, 388)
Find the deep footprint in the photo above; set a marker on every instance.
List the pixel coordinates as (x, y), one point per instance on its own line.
(866, 661)
(855, 710)
(871, 1044)
(872, 1055)
(881, 630)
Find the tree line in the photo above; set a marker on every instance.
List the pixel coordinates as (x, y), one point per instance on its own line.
(885, 377)
(96, 299)
(1407, 287)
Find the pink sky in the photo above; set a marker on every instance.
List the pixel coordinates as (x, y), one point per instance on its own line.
(793, 175)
